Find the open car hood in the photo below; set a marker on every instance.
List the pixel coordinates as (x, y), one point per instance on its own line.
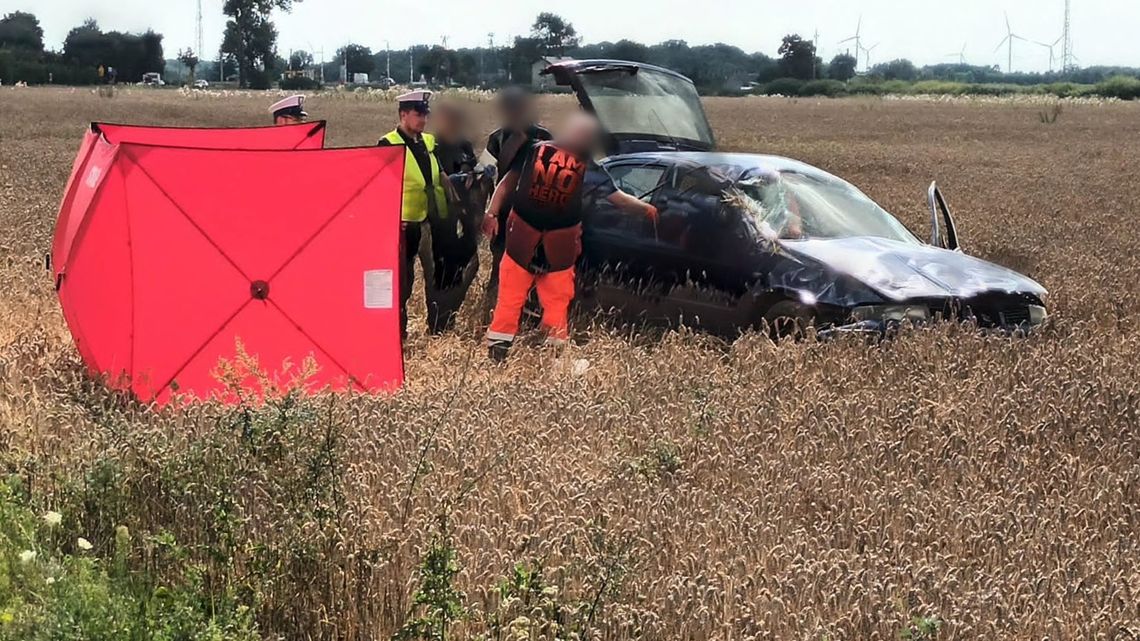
(902, 271)
(641, 107)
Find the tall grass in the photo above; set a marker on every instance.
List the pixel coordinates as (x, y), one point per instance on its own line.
(944, 485)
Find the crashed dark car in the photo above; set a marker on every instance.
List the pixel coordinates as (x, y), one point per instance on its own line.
(754, 241)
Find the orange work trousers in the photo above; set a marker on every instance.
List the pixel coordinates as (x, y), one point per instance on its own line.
(555, 291)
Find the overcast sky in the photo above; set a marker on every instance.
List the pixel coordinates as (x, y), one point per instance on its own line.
(925, 31)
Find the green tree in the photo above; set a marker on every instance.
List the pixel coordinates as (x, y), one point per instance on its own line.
(86, 45)
(901, 69)
(554, 34)
(190, 59)
(842, 67)
(627, 50)
(524, 53)
(21, 31)
(357, 59)
(797, 57)
(151, 55)
(300, 59)
(251, 38)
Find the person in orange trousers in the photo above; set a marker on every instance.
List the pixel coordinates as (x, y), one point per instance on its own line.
(544, 230)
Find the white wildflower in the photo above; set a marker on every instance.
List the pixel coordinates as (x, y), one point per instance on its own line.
(27, 556)
(83, 544)
(581, 366)
(53, 518)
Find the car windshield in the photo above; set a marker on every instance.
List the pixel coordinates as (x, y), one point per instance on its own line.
(647, 102)
(793, 206)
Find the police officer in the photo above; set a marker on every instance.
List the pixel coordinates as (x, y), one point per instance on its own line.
(289, 111)
(518, 133)
(424, 194)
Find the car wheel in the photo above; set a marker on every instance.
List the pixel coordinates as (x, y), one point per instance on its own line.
(789, 319)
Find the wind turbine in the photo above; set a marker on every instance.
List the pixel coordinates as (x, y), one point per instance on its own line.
(857, 39)
(961, 55)
(867, 55)
(1010, 36)
(1050, 48)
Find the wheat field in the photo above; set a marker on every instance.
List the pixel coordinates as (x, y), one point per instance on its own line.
(670, 486)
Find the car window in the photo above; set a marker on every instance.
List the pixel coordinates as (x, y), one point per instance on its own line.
(637, 180)
(696, 221)
(634, 179)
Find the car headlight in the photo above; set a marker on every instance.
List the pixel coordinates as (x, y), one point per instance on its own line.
(897, 313)
(1037, 314)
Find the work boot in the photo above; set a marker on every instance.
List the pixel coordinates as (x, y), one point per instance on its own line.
(497, 351)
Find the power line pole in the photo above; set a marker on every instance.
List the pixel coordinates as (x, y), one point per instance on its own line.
(1067, 62)
(494, 58)
(815, 56)
(200, 40)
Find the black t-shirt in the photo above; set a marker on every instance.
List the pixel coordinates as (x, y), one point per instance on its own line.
(419, 152)
(549, 191)
(499, 138)
(455, 157)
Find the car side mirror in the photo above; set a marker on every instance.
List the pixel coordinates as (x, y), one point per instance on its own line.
(942, 231)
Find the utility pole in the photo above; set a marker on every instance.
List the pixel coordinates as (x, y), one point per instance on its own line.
(199, 40)
(411, 66)
(1067, 62)
(510, 60)
(814, 65)
(387, 61)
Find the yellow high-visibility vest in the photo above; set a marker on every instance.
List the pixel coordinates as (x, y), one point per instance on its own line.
(416, 191)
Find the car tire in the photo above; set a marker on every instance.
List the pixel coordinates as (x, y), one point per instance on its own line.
(789, 318)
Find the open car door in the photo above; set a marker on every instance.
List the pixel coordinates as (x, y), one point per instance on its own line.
(641, 107)
(943, 233)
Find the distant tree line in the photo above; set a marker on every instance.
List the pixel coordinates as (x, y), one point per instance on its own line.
(87, 47)
(715, 68)
(249, 55)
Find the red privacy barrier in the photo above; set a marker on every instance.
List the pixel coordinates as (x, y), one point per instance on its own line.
(169, 257)
(299, 136)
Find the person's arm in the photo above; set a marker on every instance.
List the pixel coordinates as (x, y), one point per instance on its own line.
(634, 205)
(506, 186)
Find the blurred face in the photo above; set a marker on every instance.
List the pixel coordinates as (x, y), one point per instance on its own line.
(579, 133)
(449, 121)
(413, 121)
(517, 111)
(288, 120)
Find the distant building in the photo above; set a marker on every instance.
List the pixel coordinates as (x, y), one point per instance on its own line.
(540, 82)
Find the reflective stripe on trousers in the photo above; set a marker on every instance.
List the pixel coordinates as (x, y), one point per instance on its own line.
(555, 291)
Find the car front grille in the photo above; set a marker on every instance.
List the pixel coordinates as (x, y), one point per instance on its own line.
(1014, 316)
(997, 311)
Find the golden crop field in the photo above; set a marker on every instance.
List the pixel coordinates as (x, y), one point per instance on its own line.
(671, 487)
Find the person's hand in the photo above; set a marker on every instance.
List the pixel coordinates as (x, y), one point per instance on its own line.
(651, 213)
(490, 225)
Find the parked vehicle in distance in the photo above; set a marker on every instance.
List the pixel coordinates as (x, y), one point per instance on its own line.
(746, 240)
(200, 83)
(153, 79)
